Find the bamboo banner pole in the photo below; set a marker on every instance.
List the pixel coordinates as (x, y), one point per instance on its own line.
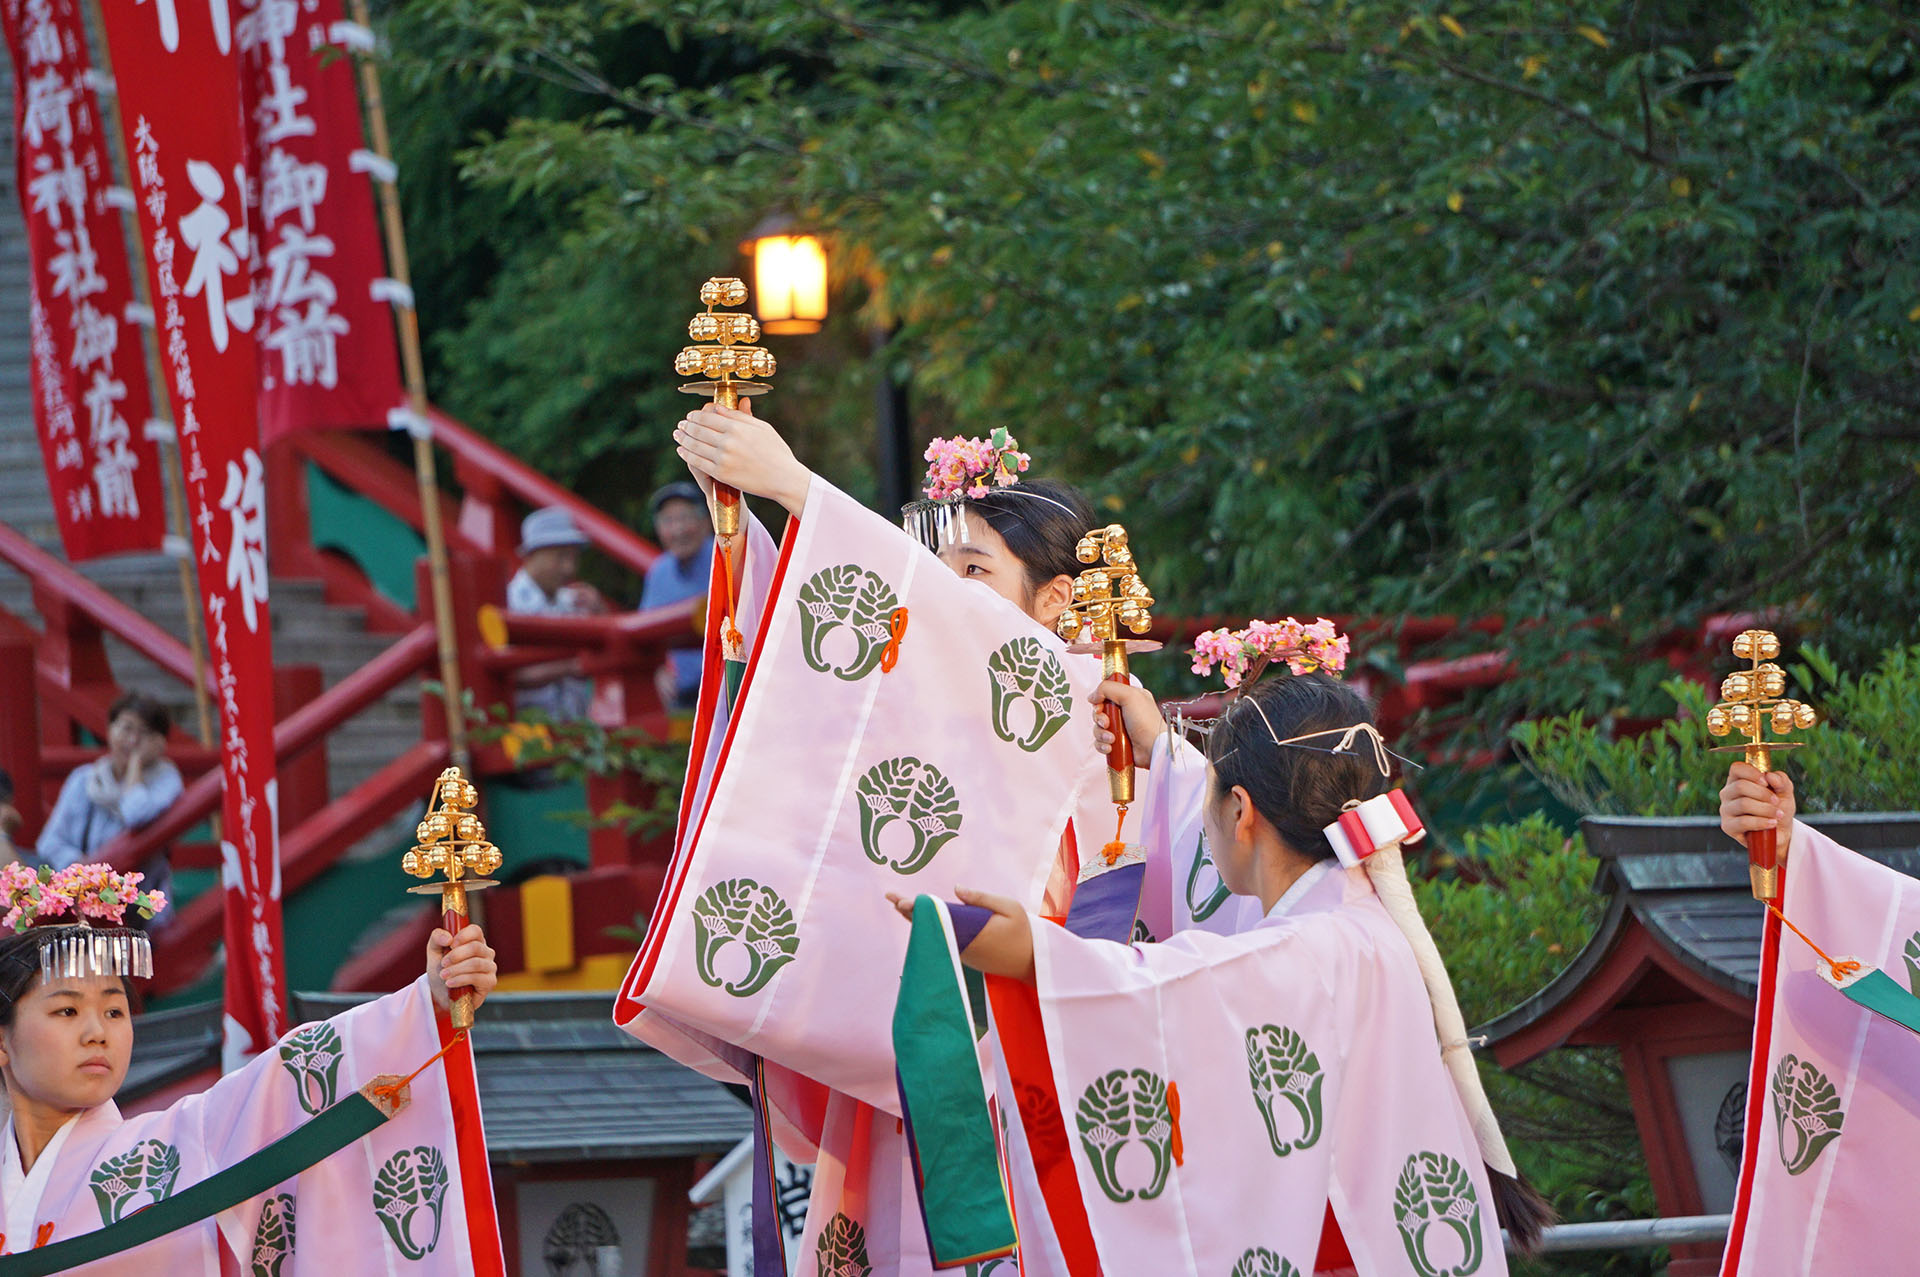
(168, 447)
(416, 376)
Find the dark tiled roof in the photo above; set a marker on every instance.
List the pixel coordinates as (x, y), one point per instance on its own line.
(559, 1081)
(1686, 883)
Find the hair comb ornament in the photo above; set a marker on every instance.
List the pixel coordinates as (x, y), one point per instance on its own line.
(959, 468)
(82, 910)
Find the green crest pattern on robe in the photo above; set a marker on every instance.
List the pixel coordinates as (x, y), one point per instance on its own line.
(1911, 953)
(410, 1197)
(1806, 1112)
(312, 1055)
(1023, 669)
(1286, 1078)
(1116, 1109)
(137, 1178)
(1005, 1265)
(273, 1237)
(842, 1249)
(906, 789)
(1208, 905)
(846, 597)
(1435, 1190)
(755, 915)
(1261, 1262)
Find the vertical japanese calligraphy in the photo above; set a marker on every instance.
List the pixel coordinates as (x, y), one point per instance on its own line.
(327, 353)
(90, 395)
(188, 154)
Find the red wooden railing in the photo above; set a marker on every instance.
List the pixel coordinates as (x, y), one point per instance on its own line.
(59, 680)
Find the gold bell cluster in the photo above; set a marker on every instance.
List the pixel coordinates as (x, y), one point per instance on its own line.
(1755, 699)
(725, 354)
(1109, 595)
(451, 840)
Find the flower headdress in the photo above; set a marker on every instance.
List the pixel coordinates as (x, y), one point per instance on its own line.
(83, 910)
(1243, 654)
(959, 469)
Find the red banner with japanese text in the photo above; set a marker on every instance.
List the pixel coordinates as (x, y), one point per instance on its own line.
(188, 151)
(326, 335)
(91, 402)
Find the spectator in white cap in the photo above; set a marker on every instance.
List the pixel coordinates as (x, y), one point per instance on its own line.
(685, 533)
(546, 585)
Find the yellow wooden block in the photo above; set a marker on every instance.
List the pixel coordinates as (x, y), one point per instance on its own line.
(546, 923)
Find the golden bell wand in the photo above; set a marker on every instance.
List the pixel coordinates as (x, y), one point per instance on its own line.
(728, 362)
(1754, 698)
(1106, 597)
(452, 841)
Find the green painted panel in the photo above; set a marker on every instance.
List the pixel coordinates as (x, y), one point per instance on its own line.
(384, 547)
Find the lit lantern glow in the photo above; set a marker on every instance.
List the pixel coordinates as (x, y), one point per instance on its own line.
(789, 283)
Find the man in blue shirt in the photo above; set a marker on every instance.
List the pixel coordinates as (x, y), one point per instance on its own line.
(685, 533)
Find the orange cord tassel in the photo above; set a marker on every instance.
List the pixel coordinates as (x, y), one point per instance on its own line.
(730, 631)
(1840, 970)
(897, 630)
(46, 1235)
(392, 1090)
(1118, 847)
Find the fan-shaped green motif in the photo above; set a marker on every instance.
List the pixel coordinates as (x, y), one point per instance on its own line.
(273, 1237)
(846, 596)
(1024, 669)
(1261, 1262)
(1806, 1112)
(987, 1267)
(1209, 903)
(915, 792)
(135, 1179)
(1435, 1189)
(1115, 1109)
(1912, 955)
(842, 1249)
(312, 1054)
(410, 1197)
(1281, 1068)
(755, 915)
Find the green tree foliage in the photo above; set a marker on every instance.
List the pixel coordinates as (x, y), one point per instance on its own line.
(1600, 314)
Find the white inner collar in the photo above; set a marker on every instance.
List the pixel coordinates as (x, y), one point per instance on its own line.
(23, 1189)
(1301, 886)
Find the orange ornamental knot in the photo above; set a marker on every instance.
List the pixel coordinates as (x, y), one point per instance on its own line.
(897, 630)
(1173, 1117)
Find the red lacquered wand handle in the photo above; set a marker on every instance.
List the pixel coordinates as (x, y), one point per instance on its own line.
(453, 917)
(1120, 755)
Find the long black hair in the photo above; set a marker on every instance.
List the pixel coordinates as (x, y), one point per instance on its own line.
(1299, 791)
(1041, 521)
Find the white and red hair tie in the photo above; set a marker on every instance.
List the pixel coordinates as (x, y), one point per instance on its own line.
(1386, 820)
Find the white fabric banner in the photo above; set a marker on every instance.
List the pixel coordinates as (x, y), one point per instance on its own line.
(1833, 1100)
(900, 729)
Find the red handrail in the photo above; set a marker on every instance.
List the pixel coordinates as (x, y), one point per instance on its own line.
(110, 614)
(299, 731)
(607, 534)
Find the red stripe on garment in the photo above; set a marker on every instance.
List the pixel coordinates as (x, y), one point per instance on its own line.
(628, 1003)
(1756, 1084)
(1023, 1043)
(1334, 1257)
(470, 1143)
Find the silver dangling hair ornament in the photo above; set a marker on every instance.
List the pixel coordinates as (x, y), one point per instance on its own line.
(75, 951)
